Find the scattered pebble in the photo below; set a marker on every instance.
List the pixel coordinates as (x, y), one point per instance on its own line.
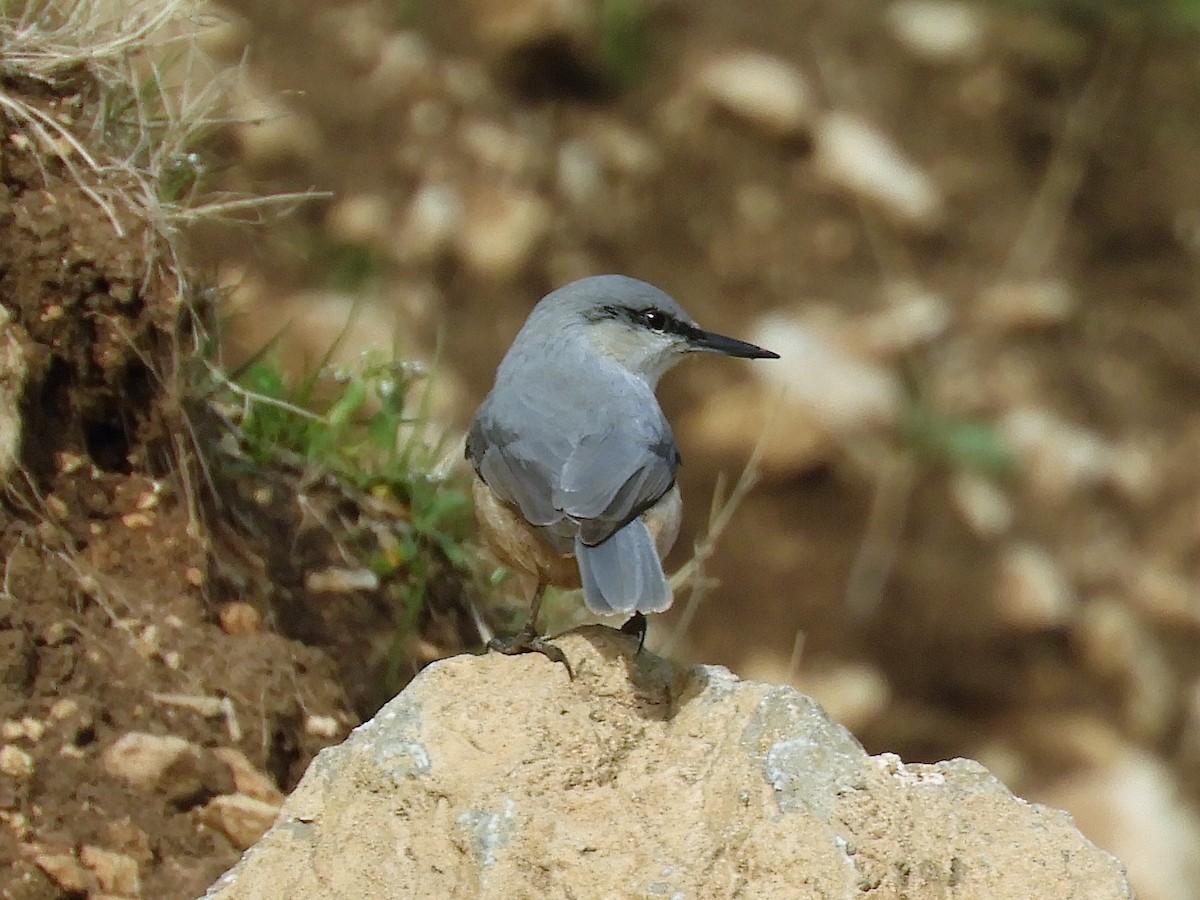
(115, 872)
(841, 390)
(914, 317)
(763, 90)
(15, 763)
(151, 762)
(430, 224)
(1058, 457)
(1026, 305)
(248, 779)
(239, 618)
(240, 818)
(65, 871)
(852, 153)
(1032, 591)
(364, 219)
(938, 31)
(985, 508)
(336, 580)
(501, 231)
(322, 726)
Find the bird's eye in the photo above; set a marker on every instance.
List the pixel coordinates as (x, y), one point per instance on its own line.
(654, 319)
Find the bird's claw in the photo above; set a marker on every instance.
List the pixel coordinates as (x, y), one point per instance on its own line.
(529, 641)
(636, 627)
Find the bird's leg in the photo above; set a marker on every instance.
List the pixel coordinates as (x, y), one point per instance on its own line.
(529, 640)
(636, 627)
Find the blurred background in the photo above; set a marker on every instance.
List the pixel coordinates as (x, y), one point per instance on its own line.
(971, 230)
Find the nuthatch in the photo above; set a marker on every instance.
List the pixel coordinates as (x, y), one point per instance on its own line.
(576, 462)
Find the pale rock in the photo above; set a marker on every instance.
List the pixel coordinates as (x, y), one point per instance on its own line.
(15, 763)
(1131, 806)
(624, 150)
(13, 371)
(819, 373)
(763, 90)
(913, 317)
(1058, 456)
(322, 726)
(1116, 646)
(405, 62)
(853, 154)
(65, 871)
(985, 508)
(240, 818)
(248, 778)
(580, 172)
(502, 777)
(501, 231)
(338, 580)
(1027, 305)
(938, 31)
(154, 762)
(505, 151)
(115, 872)
(239, 618)
(362, 219)
(63, 708)
(1032, 591)
(433, 218)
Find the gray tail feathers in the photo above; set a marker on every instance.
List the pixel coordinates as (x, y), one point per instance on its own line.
(623, 574)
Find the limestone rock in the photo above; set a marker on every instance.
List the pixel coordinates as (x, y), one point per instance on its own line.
(763, 90)
(499, 776)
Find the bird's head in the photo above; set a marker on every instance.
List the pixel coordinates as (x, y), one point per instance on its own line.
(639, 326)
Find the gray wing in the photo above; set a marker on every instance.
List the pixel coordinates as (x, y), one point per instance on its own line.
(602, 481)
(613, 476)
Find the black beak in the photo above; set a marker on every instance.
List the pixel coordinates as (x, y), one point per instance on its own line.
(718, 343)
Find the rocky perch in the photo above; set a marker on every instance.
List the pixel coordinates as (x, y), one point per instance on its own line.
(498, 776)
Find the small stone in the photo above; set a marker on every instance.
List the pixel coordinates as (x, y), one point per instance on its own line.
(248, 779)
(405, 61)
(322, 726)
(501, 231)
(239, 618)
(430, 224)
(1058, 457)
(364, 219)
(240, 818)
(152, 762)
(763, 90)
(194, 576)
(65, 871)
(843, 391)
(15, 763)
(11, 730)
(580, 174)
(63, 708)
(852, 153)
(115, 872)
(914, 317)
(985, 508)
(137, 520)
(938, 31)
(1032, 592)
(335, 580)
(1026, 305)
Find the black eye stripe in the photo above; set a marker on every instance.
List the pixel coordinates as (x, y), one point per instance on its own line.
(650, 317)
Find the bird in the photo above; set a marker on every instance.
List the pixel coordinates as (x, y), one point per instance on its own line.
(575, 462)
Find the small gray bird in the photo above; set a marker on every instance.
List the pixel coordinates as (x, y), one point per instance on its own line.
(576, 462)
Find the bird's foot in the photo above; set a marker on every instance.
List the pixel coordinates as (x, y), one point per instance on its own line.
(636, 627)
(529, 641)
